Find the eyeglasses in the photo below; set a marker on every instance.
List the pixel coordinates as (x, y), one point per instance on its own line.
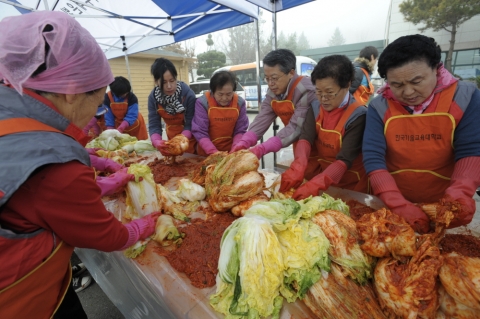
(273, 79)
(327, 96)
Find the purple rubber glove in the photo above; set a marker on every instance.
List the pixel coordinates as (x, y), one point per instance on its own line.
(94, 126)
(273, 144)
(104, 164)
(207, 145)
(187, 134)
(248, 139)
(115, 182)
(140, 229)
(123, 126)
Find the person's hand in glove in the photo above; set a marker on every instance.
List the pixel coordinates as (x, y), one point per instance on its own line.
(93, 151)
(104, 164)
(248, 139)
(331, 175)
(159, 144)
(92, 124)
(123, 126)
(463, 184)
(207, 145)
(293, 176)
(384, 186)
(140, 229)
(273, 144)
(115, 182)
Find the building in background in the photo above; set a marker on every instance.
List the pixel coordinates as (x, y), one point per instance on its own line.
(140, 77)
(466, 55)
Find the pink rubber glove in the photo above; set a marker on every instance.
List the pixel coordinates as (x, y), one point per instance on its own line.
(207, 145)
(273, 144)
(293, 176)
(92, 125)
(463, 184)
(93, 151)
(140, 229)
(115, 182)
(123, 126)
(187, 134)
(104, 164)
(384, 186)
(110, 128)
(331, 175)
(159, 144)
(248, 139)
(237, 138)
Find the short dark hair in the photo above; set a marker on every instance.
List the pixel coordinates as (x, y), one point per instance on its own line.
(407, 49)
(220, 78)
(120, 86)
(367, 53)
(160, 66)
(337, 67)
(284, 58)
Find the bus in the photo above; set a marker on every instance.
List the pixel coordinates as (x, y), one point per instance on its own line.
(246, 76)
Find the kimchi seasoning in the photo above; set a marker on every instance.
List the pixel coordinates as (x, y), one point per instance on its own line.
(163, 172)
(358, 209)
(198, 254)
(465, 245)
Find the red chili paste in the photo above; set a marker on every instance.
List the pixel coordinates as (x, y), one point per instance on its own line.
(465, 245)
(163, 172)
(198, 254)
(358, 209)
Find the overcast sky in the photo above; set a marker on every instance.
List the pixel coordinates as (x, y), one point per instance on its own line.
(358, 21)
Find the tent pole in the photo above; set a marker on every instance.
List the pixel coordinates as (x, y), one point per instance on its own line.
(259, 85)
(274, 47)
(124, 49)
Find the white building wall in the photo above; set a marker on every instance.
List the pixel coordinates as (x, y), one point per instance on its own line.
(467, 37)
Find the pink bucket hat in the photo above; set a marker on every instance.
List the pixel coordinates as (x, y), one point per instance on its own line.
(74, 62)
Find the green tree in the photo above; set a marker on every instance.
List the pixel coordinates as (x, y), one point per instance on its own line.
(440, 14)
(186, 48)
(209, 42)
(337, 38)
(209, 62)
(302, 43)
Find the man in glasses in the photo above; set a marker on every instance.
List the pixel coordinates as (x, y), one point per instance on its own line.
(289, 97)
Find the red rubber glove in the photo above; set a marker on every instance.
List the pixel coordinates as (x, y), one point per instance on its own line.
(293, 176)
(463, 184)
(331, 175)
(159, 144)
(115, 182)
(248, 139)
(140, 229)
(273, 144)
(207, 145)
(384, 186)
(104, 164)
(123, 126)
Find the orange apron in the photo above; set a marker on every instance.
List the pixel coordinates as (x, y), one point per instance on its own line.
(363, 93)
(119, 110)
(174, 126)
(329, 143)
(420, 154)
(284, 109)
(222, 123)
(39, 293)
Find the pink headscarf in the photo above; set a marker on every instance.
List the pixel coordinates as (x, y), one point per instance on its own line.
(444, 80)
(75, 62)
